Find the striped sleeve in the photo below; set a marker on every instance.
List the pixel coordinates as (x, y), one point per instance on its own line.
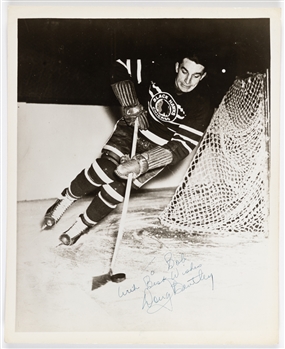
(182, 143)
(126, 69)
(187, 137)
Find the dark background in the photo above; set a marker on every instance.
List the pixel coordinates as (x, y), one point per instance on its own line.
(68, 61)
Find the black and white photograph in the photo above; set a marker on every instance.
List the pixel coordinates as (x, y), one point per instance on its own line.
(142, 182)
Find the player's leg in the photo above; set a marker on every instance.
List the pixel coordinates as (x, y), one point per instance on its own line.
(86, 182)
(103, 203)
(99, 173)
(107, 198)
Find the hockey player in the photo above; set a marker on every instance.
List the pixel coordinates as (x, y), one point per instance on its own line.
(173, 110)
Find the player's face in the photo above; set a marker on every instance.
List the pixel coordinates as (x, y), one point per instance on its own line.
(189, 74)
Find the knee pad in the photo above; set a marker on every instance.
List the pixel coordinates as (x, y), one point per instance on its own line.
(106, 200)
(102, 171)
(83, 185)
(113, 193)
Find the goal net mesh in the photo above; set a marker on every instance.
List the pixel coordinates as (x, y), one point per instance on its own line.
(225, 189)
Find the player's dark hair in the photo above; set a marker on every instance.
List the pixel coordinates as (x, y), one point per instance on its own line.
(195, 56)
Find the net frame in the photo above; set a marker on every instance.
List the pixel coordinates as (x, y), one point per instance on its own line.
(226, 187)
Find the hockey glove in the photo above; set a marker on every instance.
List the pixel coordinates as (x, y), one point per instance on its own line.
(132, 109)
(131, 113)
(141, 163)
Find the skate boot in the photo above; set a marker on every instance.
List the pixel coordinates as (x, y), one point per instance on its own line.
(79, 228)
(55, 212)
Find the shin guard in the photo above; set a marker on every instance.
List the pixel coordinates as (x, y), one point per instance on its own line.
(91, 179)
(106, 201)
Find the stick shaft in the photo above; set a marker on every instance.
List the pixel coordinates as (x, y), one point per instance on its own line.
(126, 199)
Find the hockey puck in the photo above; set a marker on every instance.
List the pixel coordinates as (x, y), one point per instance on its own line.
(118, 277)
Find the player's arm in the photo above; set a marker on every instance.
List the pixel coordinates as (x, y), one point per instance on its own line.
(188, 135)
(169, 154)
(125, 91)
(141, 163)
(182, 144)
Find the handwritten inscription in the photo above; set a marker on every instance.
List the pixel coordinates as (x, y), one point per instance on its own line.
(159, 290)
(123, 293)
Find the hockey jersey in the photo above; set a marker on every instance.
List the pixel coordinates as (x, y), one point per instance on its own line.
(176, 121)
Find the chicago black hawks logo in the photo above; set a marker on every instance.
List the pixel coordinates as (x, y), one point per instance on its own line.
(163, 107)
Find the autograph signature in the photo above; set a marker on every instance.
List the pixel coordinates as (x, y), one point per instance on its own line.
(180, 275)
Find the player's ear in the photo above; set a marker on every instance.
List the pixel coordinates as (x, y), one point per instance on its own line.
(176, 67)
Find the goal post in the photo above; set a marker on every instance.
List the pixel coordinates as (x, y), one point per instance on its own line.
(226, 187)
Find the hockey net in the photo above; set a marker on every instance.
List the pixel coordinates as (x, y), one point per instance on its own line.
(225, 189)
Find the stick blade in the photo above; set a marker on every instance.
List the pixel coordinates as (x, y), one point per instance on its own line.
(99, 281)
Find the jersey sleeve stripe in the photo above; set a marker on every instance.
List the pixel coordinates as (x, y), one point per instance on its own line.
(190, 135)
(153, 137)
(127, 65)
(192, 130)
(139, 71)
(185, 145)
(189, 140)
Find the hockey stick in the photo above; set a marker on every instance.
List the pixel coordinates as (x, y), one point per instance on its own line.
(98, 281)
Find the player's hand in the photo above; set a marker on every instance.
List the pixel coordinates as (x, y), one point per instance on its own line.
(130, 114)
(124, 158)
(137, 166)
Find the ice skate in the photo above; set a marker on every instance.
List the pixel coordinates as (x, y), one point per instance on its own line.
(79, 228)
(55, 212)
